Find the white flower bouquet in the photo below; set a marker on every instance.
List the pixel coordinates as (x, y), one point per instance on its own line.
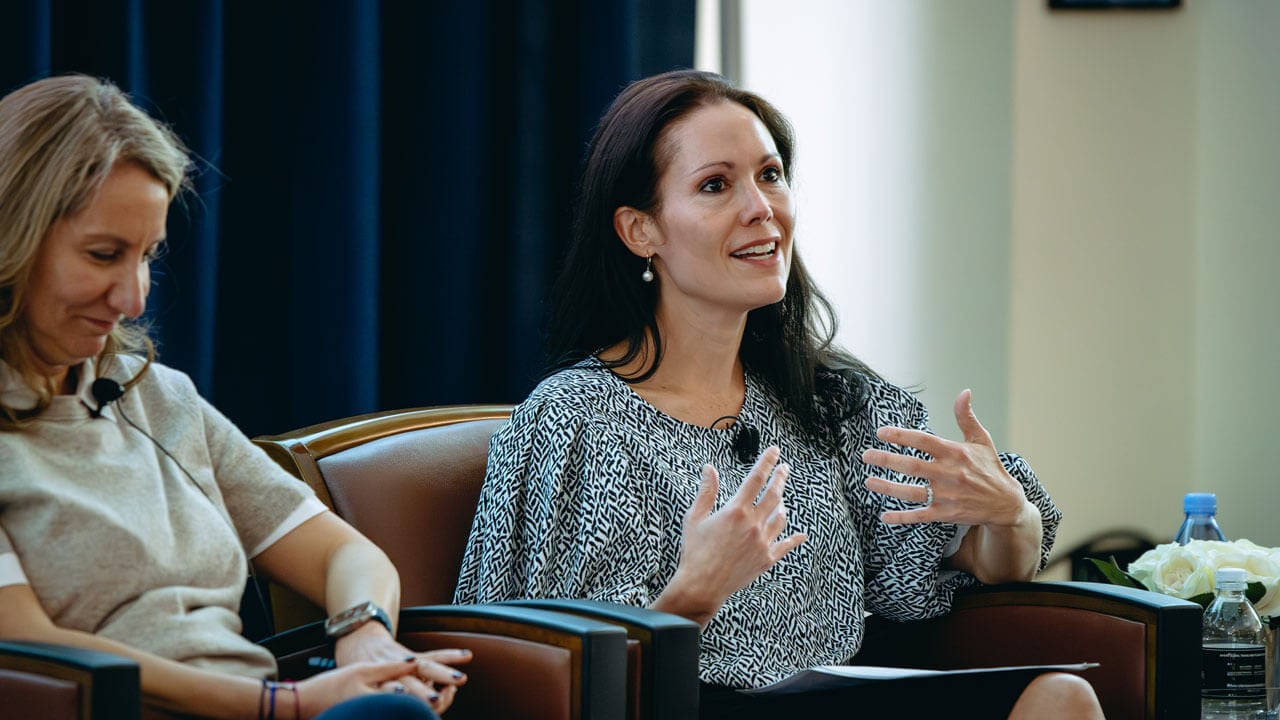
(1188, 571)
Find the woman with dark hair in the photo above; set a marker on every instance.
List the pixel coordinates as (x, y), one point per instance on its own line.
(686, 334)
(130, 508)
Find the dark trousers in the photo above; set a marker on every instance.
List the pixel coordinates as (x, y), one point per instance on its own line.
(380, 706)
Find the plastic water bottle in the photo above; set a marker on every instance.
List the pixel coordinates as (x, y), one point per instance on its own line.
(1234, 653)
(1201, 522)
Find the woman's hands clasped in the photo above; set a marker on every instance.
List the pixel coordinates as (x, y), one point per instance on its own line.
(724, 550)
(391, 667)
(319, 693)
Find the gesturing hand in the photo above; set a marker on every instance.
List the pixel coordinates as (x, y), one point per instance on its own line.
(969, 484)
(723, 551)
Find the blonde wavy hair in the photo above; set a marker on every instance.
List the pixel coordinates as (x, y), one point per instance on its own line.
(59, 139)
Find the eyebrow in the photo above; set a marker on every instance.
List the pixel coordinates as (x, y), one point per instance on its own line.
(730, 164)
(118, 240)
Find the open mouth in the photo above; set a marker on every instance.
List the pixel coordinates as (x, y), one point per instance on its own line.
(763, 250)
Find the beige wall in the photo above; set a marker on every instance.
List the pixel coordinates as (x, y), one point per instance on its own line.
(1074, 213)
(1237, 259)
(1144, 260)
(1103, 296)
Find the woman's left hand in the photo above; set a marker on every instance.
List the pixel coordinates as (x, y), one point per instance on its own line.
(968, 483)
(434, 676)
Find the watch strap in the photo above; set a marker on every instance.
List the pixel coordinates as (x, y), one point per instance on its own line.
(381, 616)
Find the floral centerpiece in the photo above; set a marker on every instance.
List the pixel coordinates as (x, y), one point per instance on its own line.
(1189, 571)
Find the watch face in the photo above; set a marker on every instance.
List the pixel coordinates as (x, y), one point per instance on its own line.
(347, 620)
(360, 611)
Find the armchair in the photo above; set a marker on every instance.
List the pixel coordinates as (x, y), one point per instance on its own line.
(1147, 644)
(52, 681)
(410, 480)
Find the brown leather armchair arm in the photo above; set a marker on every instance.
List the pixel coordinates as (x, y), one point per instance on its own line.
(663, 665)
(55, 682)
(527, 663)
(1147, 644)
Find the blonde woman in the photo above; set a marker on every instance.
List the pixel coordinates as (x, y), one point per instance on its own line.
(129, 507)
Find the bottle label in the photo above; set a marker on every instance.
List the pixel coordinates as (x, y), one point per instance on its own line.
(1234, 670)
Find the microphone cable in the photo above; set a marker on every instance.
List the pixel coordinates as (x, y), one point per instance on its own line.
(106, 391)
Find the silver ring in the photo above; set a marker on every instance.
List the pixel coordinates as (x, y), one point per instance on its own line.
(398, 689)
(928, 498)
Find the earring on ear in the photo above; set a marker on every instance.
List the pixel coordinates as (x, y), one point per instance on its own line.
(647, 275)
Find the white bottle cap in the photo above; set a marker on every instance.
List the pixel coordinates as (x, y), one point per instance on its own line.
(1232, 576)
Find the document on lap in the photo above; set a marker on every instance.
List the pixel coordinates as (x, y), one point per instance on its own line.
(831, 677)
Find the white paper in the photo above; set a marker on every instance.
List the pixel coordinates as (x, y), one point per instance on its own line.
(828, 677)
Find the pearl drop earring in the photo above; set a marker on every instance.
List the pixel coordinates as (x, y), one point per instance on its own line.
(647, 275)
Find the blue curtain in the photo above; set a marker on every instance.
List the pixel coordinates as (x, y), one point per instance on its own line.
(384, 188)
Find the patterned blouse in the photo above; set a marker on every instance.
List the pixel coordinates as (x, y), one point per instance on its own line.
(588, 485)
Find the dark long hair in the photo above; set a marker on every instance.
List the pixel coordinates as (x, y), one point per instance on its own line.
(599, 300)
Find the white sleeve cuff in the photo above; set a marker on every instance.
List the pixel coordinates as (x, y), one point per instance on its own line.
(11, 570)
(309, 508)
(953, 547)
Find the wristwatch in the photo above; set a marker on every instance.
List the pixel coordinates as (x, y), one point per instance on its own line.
(347, 621)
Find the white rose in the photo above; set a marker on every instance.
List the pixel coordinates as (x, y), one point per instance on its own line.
(1263, 565)
(1145, 565)
(1227, 554)
(1269, 604)
(1181, 571)
(1189, 570)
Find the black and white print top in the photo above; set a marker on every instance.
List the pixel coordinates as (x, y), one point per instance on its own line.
(588, 485)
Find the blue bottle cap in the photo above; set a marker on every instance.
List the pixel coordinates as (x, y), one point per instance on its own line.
(1200, 503)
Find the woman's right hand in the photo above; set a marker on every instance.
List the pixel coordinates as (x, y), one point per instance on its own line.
(725, 550)
(323, 691)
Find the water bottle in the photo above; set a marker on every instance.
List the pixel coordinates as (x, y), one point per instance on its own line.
(1201, 523)
(1233, 679)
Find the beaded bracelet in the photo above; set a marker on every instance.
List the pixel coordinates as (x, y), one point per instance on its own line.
(267, 698)
(292, 687)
